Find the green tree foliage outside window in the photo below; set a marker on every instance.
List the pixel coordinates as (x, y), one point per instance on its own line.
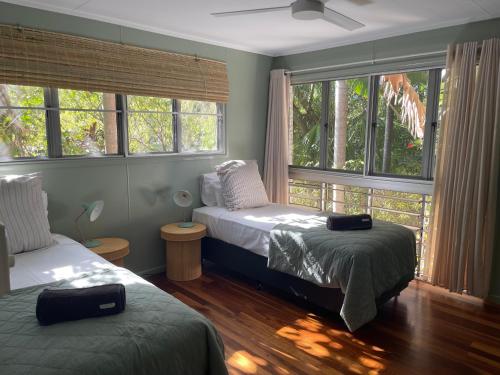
(88, 123)
(306, 124)
(22, 131)
(83, 132)
(199, 124)
(150, 125)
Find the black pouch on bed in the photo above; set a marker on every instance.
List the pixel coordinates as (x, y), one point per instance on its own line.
(349, 222)
(59, 305)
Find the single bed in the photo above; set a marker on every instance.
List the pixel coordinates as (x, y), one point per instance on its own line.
(240, 240)
(156, 334)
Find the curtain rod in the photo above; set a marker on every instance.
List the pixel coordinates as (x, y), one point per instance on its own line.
(366, 62)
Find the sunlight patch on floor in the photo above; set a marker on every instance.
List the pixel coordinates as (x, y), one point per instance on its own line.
(245, 362)
(310, 335)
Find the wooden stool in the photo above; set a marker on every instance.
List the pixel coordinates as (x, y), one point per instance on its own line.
(183, 251)
(112, 249)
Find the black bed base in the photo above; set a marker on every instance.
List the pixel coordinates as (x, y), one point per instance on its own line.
(254, 267)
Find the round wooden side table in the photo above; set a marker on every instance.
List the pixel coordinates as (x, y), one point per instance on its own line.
(112, 249)
(183, 251)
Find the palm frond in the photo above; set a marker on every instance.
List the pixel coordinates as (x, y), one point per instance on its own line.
(398, 88)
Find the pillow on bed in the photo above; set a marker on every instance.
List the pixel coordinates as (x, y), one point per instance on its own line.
(211, 190)
(241, 184)
(23, 212)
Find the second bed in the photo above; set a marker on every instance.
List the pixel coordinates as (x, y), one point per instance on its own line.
(289, 248)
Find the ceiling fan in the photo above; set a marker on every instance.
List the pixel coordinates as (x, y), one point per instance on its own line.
(304, 10)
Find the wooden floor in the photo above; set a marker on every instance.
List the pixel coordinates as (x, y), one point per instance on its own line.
(425, 331)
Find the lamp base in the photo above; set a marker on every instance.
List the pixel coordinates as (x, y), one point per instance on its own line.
(186, 224)
(92, 243)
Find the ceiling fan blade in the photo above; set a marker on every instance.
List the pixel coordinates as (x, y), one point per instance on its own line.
(341, 20)
(249, 11)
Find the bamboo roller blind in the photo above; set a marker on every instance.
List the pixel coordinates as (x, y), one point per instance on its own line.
(47, 59)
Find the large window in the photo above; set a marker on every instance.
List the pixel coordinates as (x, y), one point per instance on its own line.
(379, 125)
(53, 123)
(367, 145)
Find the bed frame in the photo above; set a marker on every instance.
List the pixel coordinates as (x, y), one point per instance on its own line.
(254, 267)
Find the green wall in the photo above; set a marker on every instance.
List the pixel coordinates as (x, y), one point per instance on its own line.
(422, 42)
(137, 191)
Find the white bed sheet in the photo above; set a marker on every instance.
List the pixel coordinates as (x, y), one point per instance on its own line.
(249, 228)
(64, 259)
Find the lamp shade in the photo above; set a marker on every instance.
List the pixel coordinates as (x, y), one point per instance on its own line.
(93, 210)
(183, 198)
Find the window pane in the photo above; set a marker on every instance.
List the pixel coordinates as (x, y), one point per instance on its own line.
(199, 132)
(193, 106)
(21, 96)
(306, 124)
(77, 99)
(347, 124)
(402, 100)
(90, 132)
(149, 103)
(22, 131)
(150, 132)
(150, 127)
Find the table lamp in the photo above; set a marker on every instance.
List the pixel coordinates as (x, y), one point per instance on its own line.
(93, 210)
(184, 199)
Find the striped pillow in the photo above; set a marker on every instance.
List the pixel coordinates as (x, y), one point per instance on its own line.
(23, 213)
(241, 184)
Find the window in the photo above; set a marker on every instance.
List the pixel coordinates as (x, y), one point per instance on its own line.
(199, 124)
(347, 106)
(400, 123)
(88, 123)
(307, 102)
(158, 125)
(40, 122)
(22, 122)
(150, 125)
(379, 125)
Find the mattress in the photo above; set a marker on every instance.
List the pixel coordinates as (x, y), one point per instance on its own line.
(249, 228)
(64, 259)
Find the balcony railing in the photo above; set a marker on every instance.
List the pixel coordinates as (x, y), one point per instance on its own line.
(411, 210)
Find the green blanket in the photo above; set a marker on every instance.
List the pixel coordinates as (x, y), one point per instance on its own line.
(156, 334)
(363, 263)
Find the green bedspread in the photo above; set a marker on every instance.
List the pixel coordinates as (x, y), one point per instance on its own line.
(363, 263)
(156, 334)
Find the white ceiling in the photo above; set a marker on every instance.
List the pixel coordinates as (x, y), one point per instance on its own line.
(275, 33)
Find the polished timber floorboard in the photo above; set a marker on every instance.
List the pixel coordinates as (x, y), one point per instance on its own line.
(424, 331)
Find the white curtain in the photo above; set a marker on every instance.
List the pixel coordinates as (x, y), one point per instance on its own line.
(278, 118)
(467, 171)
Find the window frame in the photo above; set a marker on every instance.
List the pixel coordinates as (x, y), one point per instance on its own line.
(422, 183)
(54, 137)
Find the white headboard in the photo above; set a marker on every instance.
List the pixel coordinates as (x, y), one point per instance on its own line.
(4, 263)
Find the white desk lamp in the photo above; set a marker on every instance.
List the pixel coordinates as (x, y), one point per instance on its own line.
(184, 199)
(93, 211)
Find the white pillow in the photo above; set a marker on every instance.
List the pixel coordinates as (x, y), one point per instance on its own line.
(23, 212)
(210, 187)
(241, 184)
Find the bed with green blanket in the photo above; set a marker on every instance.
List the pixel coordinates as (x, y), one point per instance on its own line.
(156, 334)
(364, 264)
